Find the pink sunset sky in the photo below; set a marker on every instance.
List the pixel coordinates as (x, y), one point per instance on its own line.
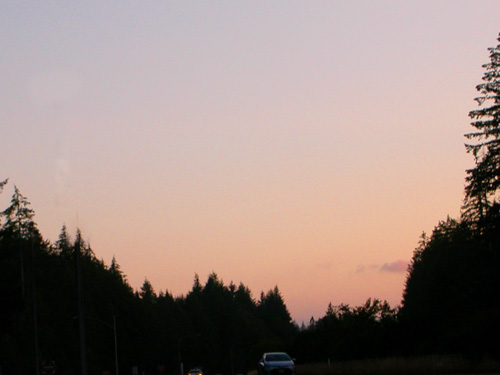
(304, 144)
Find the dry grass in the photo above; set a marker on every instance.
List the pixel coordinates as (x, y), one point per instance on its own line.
(402, 366)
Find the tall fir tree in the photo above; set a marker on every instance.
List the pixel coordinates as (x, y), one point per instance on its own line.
(63, 245)
(19, 216)
(483, 181)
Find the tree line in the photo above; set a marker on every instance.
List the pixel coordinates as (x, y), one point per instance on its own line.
(217, 326)
(221, 328)
(449, 305)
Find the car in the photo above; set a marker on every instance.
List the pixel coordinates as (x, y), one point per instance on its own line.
(276, 363)
(195, 371)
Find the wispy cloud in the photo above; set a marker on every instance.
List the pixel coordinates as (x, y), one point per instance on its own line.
(397, 266)
(393, 267)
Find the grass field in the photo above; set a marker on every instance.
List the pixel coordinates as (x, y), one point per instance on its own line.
(403, 366)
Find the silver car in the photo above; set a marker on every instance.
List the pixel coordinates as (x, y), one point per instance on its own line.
(276, 363)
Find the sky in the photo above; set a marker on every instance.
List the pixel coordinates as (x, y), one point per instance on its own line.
(303, 144)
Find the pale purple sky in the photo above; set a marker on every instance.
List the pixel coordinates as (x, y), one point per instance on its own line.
(304, 144)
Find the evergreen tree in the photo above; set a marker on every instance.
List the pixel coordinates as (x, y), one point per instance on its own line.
(275, 315)
(23, 254)
(20, 231)
(63, 246)
(147, 292)
(19, 217)
(273, 306)
(483, 181)
(449, 299)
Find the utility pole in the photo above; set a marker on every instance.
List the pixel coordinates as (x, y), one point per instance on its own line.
(35, 313)
(116, 344)
(81, 317)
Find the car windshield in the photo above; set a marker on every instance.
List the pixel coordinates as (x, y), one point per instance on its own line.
(277, 357)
